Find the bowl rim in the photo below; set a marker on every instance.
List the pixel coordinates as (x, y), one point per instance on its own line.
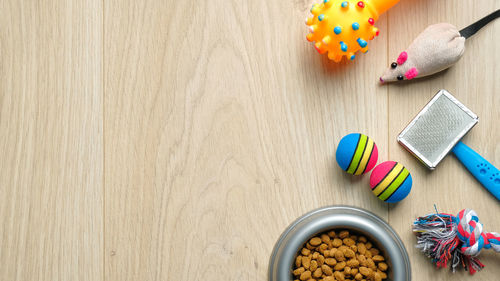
(274, 267)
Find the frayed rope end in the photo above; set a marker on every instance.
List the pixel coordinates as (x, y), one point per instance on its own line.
(437, 239)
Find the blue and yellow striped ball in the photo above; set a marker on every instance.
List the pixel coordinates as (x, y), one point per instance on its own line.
(391, 182)
(356, 154)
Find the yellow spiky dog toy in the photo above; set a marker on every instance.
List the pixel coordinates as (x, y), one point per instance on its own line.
(342, 28)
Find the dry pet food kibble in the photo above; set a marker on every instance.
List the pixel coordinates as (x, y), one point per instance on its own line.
(339, 256)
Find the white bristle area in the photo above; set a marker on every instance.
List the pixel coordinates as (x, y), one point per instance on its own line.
(437, 128)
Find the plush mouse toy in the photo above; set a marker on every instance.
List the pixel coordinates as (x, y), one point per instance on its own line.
(438, 47)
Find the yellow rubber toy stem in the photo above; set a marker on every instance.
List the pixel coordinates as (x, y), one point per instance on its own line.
(382, 5)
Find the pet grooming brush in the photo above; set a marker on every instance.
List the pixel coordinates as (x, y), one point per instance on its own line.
(437, 130)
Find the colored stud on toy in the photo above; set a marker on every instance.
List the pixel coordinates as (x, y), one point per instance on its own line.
(348, 22)
(390, 182)
(356, 154)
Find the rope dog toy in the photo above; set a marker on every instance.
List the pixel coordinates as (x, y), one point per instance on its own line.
(457, 239)
(437, 48)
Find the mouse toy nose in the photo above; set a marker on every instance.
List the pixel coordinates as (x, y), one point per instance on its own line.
(381, 80)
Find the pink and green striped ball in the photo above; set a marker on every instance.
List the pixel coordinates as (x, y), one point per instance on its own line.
(356, 154)
(391, 182)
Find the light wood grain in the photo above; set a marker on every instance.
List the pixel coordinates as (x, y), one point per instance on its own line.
(221, 125)
(51, 220)
(175, 140)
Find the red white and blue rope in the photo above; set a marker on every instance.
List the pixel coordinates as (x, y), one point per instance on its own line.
(472, 234)
(457, 239)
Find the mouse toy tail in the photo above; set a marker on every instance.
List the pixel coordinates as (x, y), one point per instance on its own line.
(475, 27)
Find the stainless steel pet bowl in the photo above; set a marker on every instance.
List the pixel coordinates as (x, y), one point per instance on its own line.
(339, 217)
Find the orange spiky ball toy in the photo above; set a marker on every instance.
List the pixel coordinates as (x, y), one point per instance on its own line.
(342, 27)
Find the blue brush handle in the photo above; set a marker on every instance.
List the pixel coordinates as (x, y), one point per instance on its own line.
(482, 170)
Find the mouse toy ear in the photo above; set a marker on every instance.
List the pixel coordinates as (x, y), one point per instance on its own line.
(412, 73)
(402, 58)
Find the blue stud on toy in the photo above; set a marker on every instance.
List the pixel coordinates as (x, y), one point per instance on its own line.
(356, 154)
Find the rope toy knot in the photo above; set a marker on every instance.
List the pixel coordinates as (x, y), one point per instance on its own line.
(457, 239)
(471, 232)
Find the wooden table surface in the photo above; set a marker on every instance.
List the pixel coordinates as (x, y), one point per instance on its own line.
(175, 140)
